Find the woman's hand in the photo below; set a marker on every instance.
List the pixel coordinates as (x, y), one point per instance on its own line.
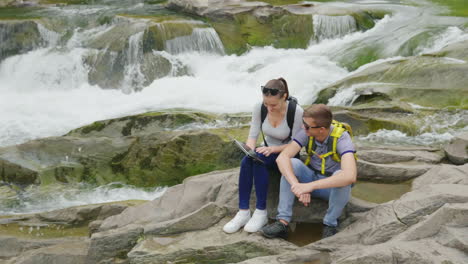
(265, 150)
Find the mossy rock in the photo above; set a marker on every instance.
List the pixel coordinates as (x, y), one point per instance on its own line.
(425, 80)
(149, 163)
(363, 124)
(156, 36)
(18, 37)
(281, 30)
(141, 124)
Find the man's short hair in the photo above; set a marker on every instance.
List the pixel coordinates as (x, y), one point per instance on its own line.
(321, 114)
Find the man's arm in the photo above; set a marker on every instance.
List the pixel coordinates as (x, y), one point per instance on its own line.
(346, 176)
(284, 161)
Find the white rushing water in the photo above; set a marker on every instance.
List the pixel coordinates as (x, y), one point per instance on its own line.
(46, 92)
(330, 27)
(45, 198)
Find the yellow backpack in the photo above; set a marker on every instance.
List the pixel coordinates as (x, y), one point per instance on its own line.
(338, 129)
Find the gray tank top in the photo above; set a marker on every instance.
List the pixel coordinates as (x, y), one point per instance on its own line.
(274, 135)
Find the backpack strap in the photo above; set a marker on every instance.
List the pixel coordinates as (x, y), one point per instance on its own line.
(263, 114)
(291, 113)
(338, 130)
(290, 117)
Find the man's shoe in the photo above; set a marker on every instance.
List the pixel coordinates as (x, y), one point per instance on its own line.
(329, 231)
(241, 218)
(277, 229)
(258, 220)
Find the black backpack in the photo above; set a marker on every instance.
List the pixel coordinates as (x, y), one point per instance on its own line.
(289, 117)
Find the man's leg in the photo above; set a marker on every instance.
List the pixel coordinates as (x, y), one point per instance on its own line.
(286, 199)
(339, 197)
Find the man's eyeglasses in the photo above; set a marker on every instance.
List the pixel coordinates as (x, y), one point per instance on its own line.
(271, 91)
(307, 127)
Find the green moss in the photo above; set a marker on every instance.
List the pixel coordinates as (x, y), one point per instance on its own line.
(360, 56)
(456, 7)
(364, 20)
(292, 31)
(96, 126)
(8, 13)
(280, 30)
(155, 36)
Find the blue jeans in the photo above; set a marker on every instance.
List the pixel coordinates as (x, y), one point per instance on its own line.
(251, 172)
(337, 197)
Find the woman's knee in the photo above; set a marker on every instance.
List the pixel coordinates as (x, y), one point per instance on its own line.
(246, 161)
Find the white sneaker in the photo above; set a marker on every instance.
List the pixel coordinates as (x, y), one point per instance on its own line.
(241, 218)
(258, 220)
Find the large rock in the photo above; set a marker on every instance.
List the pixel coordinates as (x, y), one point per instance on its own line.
(443, 174)
(438, 238)
(395, 172)
(385, 221)
(140, 150)
(208, 246)
(417, 79)
(112, 243)
(73, 252)
(17, 37)
(82, 215)
(457, 150)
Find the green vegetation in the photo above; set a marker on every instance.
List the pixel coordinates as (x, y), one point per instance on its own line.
(456, 7)
(8, 13)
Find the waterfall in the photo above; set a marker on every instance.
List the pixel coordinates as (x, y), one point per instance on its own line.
(201, 40)
(133, 77)
(329, 27)
(48, 36)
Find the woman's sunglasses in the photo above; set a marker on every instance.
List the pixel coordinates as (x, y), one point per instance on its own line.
(271, 91)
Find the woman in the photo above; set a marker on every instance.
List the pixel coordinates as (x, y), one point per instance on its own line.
(276, 134)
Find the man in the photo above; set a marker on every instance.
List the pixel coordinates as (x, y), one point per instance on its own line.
(329, 175)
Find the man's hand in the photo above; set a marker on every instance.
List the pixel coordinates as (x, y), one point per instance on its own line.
(305, 199)
(302, 188)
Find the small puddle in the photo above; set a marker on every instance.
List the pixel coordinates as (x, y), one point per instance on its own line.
(305, 233)
(380, 192)
(44, 231)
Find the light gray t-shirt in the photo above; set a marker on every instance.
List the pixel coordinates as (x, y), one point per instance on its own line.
(274, 136)
(343, 145)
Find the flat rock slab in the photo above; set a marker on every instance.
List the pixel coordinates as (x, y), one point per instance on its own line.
(207, 246)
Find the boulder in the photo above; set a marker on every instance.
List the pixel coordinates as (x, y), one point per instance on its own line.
(457, 149)
(18, 37)
(82, 215)
(386, 221)
(443, 174)
(438, 238)
(141, 150)
(112, 243)
(417, 79)
(73, 252)
(395, 155)
(395, 172)
(207, 246)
